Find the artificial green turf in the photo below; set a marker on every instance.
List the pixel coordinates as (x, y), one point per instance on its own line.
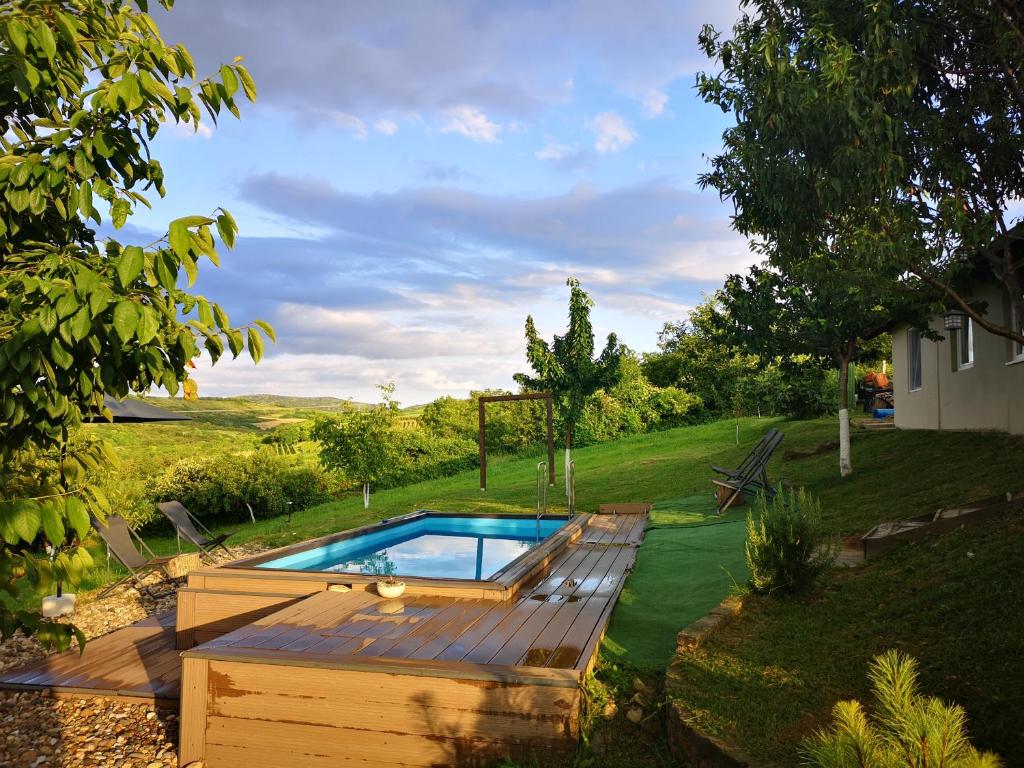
(690, 559)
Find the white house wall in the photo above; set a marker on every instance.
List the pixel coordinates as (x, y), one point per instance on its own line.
(989, 395)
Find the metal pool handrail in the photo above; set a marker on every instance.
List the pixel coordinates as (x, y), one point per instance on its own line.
(571, 486)
(542, 489)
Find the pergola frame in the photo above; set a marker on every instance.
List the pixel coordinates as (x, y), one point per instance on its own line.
(546, 397)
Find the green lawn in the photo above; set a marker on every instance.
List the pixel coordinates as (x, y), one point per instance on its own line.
(952, 601)
(772, 677)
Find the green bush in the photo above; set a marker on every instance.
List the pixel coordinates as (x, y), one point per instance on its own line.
(786, 549)
(220, 487)
(908, 730)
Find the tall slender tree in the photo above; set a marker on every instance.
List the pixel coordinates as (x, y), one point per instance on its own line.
(567, 367)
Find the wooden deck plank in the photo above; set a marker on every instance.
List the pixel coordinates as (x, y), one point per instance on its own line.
(560, 601)
(529, 604)
(138, 662)
(588, 616)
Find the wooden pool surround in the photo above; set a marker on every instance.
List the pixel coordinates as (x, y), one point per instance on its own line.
(225, 597)
(280, 668)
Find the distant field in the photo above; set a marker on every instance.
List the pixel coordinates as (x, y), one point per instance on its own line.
(218, 425)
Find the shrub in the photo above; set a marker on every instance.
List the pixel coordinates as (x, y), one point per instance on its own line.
(220, 487)
(908, 730)
(786, 549)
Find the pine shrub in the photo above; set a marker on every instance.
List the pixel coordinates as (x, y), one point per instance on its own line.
(906, 729)
(786, 549)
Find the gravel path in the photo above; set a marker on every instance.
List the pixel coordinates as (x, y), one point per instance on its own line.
(40, 730)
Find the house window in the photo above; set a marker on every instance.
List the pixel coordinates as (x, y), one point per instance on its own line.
(965, 345)
(914, 359)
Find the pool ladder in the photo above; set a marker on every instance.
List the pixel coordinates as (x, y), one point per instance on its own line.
(542, 490)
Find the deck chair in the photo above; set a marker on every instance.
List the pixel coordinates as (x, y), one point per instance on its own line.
(765, 443)
(751, 477)
(128, 548)
(188, 527)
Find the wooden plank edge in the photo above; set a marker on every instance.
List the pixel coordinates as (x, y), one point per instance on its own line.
(456, 670)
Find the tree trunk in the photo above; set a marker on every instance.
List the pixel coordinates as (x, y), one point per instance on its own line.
(568, 458)
(845, 466)
(366, 495)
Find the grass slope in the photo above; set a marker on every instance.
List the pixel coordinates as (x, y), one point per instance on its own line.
(951, 601)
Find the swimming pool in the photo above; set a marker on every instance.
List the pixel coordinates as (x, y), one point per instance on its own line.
(426, 545)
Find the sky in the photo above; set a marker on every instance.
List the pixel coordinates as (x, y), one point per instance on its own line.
(416, 178)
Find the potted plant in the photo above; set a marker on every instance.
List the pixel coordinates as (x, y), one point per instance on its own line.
(389, 586)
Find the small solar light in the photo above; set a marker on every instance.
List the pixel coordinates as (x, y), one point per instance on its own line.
(954, 320)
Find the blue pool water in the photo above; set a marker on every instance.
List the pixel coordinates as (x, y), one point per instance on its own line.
(435, 546)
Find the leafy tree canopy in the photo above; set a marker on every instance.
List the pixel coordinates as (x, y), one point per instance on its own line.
(84, 88)
(361, 443)
(893, 127)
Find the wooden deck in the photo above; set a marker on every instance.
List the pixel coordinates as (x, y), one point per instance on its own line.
(138, 662)
(555, 622)
(347, 677)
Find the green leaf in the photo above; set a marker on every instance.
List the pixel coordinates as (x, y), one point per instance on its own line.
(25, 519)
(248, 84)
(85, 199)
(226, 228)
(191, 270)
(48, 319)
(148, 325)
(46, 41)
(221, 317)
(205, 313)
(126, 318)
(59, 355)
(166, 269)
(119, 212)
(81, 324)
(268, 329)
(255, 344)
(130, 264)
(235, 342)
(53, 526)
(16, 34)
(179, 237)
(227, 77)
(77, 515)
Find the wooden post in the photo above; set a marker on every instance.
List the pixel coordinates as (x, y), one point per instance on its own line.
(546, 397)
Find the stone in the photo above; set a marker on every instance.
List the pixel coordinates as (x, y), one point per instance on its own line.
(610, 710)
(634, 714)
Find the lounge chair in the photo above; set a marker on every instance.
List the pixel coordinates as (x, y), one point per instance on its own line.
(188, 527)
(128, 548)
(751, 476)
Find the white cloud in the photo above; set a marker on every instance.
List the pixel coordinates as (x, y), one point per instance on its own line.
(191, 131)
(552, 150)
(471, 123)
(613, 133)
(348, 122)
(387, 127)
(655, 102)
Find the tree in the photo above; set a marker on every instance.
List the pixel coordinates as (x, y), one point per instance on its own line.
(908, 730)
(896, 127)
(822, 309)
(362, 442)
(567, 367)
(84, 88)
